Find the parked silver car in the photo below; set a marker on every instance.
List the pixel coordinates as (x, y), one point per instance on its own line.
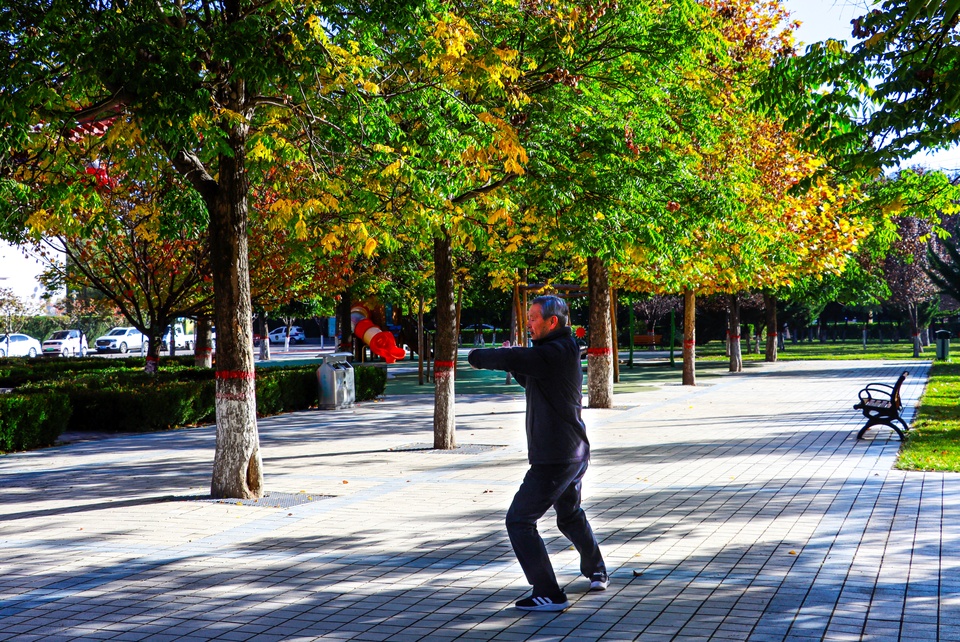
(19, 345)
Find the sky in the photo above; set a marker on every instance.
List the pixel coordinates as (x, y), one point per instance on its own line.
(821, 19)
(19, 273)
(824, 19)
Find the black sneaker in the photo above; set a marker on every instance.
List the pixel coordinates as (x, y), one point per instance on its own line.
(557, 602)
(599, 581)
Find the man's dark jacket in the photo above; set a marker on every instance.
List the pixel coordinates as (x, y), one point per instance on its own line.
(551, 374)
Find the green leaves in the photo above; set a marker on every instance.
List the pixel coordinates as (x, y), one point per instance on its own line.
(908, 52)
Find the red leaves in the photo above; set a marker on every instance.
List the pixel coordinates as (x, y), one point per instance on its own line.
(563, 77)
(628, 137)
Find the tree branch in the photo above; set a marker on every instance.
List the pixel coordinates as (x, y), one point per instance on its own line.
(480, 191)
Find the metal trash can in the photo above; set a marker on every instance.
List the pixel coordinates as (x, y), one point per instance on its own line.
(335, 380)
(943, 344)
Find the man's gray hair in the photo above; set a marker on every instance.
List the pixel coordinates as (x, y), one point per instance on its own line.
(553, 306)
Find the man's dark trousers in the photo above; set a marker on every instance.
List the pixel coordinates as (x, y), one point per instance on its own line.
(547, 485)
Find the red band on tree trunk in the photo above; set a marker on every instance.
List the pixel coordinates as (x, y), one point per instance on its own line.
(235, 374)
(688, 343)
(444, 364)
(599, 351)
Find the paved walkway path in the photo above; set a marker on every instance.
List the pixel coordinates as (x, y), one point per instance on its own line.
(742, 509)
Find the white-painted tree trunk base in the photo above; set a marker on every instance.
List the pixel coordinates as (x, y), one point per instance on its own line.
(599, 381)
(237, 465)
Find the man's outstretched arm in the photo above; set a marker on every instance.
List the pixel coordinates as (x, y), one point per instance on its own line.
(521, 362)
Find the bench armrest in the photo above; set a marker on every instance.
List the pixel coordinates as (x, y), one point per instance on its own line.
(879, 385)
(879, 389)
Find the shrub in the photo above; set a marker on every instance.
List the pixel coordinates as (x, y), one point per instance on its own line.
(137, 402)
(15, 372)
(32, 420)
(77, 395)
(370, 382)
(287, 389)
(124, 400)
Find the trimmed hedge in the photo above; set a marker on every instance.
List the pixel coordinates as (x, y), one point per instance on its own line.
(15, 372)
(32, 420)
(370, 382)
(143, 406)
(286, 389)
(121, 398)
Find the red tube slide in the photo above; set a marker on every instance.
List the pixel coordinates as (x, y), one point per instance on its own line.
(381, 343)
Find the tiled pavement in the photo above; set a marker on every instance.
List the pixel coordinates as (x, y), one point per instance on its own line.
(739, 510)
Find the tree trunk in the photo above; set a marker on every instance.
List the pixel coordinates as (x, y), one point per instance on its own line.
(600, 354)
(237, 466)
(459, 310)
(344, 322)
(770, 306)
(173, 340)
(689, 338)
(264, 338)
(445, 357)
(915, 329)
(203, 350)
(733, 333)
(153, 348)
(513, 336)
(615, 345)
(421, 343)
(726, 323)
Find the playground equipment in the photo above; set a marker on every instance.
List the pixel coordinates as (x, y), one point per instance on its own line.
(381, 343)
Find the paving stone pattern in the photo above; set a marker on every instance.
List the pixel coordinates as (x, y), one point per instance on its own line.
(740, 510)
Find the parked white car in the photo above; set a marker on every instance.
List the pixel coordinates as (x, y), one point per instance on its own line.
(279, 335)
(65, 343)
(19, 345)
(120, 340)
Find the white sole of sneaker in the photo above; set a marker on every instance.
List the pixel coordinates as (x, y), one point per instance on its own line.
(546, 607)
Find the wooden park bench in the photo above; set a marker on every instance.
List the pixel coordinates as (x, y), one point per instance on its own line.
(881, 405)
(647, 339)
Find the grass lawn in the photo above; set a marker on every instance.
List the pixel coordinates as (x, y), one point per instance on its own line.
(933, 442)
(715, 350)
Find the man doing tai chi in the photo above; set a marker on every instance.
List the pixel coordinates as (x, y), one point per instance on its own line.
(557, 449)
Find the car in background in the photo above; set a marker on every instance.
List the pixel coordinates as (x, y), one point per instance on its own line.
(181, 340)
(19, 345)
(120, 340)
(279, 335)
(65, 343)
